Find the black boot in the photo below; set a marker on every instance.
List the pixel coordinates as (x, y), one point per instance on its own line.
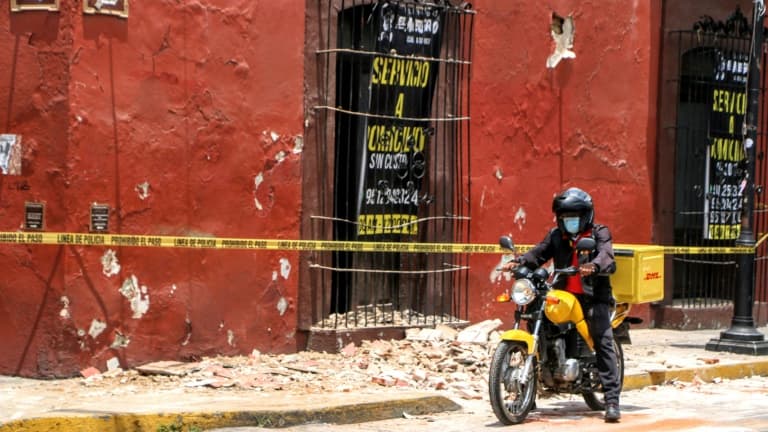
(612, 413)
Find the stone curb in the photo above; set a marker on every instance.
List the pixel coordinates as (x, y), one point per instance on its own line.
(104, 421)
(706, 373)
(132, 422)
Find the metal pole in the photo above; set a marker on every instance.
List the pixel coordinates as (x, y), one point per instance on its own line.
(742, 337)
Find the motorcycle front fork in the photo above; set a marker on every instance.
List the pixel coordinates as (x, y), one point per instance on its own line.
(526, 372)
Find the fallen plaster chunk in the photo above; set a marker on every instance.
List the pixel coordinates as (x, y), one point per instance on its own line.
(113, 364)
(90, 372)
(168, 368)
(478, 333)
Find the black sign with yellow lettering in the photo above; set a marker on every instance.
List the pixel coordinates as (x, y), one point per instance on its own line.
(725, 151)
(398, 133)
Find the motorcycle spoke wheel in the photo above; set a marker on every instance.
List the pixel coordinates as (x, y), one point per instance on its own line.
(596, 399)
(511, 398)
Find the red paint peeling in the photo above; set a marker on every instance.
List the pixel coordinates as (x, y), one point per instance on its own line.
(547, 129)
(107, 104)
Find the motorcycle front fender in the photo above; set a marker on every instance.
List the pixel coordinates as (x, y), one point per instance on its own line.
(520, 336)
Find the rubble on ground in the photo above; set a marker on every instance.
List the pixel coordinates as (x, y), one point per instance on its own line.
(438, 358)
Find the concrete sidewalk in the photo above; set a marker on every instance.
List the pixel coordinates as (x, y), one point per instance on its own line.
(656, 357)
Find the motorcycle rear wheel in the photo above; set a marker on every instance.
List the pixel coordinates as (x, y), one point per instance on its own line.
(595, 402)
(511, 399)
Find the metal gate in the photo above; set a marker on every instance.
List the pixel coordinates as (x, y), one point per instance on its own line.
(392, 136)
(713, 65)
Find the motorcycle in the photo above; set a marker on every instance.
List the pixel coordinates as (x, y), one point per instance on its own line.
(555, 351)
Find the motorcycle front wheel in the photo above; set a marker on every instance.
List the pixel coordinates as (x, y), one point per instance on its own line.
(512, 395)
(595, 402)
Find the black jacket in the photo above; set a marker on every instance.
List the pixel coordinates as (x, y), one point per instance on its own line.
(558, 247)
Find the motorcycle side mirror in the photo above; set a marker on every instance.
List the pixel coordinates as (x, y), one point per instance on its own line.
(506, 242)
(586, 244)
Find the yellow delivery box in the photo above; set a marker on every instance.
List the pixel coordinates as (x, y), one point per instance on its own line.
(639, 276)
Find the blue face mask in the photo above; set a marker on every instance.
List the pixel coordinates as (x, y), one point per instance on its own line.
(571, 224)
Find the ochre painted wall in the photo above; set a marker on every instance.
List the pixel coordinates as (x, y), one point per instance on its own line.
(187, 119)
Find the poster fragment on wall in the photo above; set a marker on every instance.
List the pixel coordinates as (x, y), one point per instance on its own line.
(724, 180)
(402, 86)
(106, 7)
(10, 154)
(26, 5)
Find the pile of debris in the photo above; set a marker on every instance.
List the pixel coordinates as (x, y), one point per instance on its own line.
(439, 358)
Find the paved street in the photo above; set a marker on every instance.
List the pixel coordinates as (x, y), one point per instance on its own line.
(672, 384)
(728, 406)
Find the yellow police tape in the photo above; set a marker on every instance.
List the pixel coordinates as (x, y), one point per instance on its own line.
(90, 239)
(117, 240)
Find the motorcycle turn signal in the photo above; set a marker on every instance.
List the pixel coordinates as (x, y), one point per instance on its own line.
(503, 298)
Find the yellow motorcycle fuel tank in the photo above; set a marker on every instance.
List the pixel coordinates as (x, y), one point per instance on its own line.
(562, 307)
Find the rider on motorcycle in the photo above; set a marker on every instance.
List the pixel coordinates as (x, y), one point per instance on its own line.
(575, 214)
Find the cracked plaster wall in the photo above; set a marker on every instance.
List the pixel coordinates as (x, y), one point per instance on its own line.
(167, 117)
(590, 122)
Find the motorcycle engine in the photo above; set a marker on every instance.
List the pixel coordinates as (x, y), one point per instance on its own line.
(567, 368)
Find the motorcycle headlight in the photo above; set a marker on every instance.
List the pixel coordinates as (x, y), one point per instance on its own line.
(523, 292)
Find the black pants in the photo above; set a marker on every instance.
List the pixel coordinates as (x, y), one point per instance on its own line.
(598, 317)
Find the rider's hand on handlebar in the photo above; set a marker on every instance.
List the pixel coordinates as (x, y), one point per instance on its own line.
(510, 266)
(587, 269)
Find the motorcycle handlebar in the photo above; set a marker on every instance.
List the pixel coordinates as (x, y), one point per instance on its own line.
(568, 271)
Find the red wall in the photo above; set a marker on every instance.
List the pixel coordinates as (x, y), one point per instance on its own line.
(589, 122)
(203, 101)
(194, 99)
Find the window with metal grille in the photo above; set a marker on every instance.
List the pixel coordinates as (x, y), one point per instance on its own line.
(712, 62)
(391, 161)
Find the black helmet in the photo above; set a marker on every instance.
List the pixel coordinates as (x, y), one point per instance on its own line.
(574, 200)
